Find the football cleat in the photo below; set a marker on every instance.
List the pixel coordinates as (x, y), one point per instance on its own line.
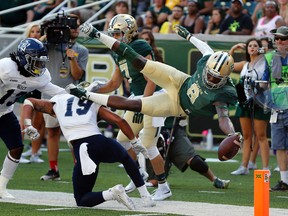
(148, 201)
(119, 194)
(51, 175)
(131, 186)
(36, 159)
(221, 184)
(160, 195)
(5, 195)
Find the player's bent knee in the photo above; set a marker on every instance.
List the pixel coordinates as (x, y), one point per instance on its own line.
(153, 152)
(198, 164)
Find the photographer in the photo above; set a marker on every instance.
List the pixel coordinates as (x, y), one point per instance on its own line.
(67, 64)
(253, 119)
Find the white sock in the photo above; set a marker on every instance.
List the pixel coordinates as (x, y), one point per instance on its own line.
(101, 99)
(163, 186)
(9, 166)
(284, 176)
(107, 195)
(143, 191)
(107, 40)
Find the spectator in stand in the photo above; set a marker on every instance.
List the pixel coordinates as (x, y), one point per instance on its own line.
(149, 37)
(237, 23)
(150, 22)
(258, 11)
(121, 7)
(42, 9)
(174, 19)
(23, 16)
(193, 22)
(205, 7)
(269, 21)
(283, 10)
(253, 119)
(184, 4)
(161, 10)
(213, 26)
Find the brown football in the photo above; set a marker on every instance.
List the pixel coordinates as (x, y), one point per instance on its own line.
(229, 147)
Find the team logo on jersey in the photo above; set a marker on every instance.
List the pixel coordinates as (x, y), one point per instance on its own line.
(13, 80)
(21, 87)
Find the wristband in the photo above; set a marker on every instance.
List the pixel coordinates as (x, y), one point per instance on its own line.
(133, 141)
(27, 122)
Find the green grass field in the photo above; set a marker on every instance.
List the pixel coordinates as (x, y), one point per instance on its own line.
(188, 186)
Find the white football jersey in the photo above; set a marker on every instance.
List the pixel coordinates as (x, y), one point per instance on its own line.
(13, 85)
(77, 118)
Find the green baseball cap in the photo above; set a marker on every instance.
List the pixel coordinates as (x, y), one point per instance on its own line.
(281, 31)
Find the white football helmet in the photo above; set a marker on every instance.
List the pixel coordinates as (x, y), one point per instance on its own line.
(124, 24)
(219, 65)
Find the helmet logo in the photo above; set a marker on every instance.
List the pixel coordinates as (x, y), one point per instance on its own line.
(24, 45)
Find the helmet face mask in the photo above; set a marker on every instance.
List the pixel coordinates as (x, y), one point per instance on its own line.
(32, 56)
(125, 25)
(218, 68)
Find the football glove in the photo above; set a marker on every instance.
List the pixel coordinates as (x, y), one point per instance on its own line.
(89, 30)
(240, 136)
(31, 132)
(137, 118)
(76, 91)
(139, 148)
(183, 32)
(91, 87)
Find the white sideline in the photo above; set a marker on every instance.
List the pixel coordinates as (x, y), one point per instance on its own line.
(60, 199)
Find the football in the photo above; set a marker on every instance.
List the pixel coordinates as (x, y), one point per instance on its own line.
(229, 147)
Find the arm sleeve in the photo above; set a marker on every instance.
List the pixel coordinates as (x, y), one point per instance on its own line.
(51, 89)
(203, 47)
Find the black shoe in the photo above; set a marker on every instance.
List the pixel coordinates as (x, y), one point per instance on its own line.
(51, 175)
(281, 186)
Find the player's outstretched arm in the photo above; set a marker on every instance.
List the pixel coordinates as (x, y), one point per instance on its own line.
(203, 47)
(121, 49)
(113, 101)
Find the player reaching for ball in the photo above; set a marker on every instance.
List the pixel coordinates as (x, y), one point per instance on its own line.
(207, 92)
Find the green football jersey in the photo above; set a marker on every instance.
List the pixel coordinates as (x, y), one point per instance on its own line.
(196, 99)
(136, 79)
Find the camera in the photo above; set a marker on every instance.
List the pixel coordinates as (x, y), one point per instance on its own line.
(261, 50)
(58, 29)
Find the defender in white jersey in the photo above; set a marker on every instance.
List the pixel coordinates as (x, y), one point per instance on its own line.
(22, 72)
(78, 121)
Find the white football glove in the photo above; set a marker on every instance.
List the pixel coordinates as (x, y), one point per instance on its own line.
(91, 87)
(31, 132)
(139, 148)
(89, 30)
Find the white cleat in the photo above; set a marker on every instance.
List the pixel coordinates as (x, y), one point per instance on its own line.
(131, 186)
(160, 195)
(5, 195)
(148, 201)
(119, 194)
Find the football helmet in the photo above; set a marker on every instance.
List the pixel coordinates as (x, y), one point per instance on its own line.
(219, 65)
(124, 24)
(32, 56)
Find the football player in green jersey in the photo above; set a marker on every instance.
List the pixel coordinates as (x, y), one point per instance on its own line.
(123, 27)
(207, 92)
